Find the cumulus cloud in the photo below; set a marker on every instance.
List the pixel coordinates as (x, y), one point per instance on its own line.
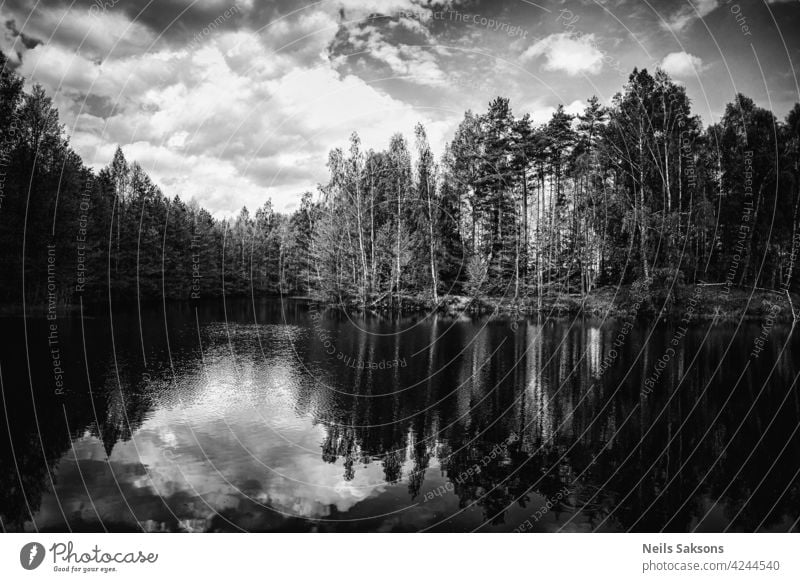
(689, 13)
(231, 117)
(567, 52)
(681, 64)
(541, 113)
(244, 117)
(396, 45)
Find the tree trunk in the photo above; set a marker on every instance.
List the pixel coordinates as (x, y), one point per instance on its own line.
(641, 218)
(434, 282)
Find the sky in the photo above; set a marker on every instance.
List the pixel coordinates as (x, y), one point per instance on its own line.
(233, 102)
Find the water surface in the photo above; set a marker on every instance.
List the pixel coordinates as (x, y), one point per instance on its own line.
(280, 417)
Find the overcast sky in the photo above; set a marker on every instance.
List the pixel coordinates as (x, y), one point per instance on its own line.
(233, 103)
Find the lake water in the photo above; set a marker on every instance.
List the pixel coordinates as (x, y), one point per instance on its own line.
(278, 417)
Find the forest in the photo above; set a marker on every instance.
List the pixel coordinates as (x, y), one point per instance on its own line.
(637, 195)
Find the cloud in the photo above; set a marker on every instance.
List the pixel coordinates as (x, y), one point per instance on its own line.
(95, 36)
(681, 64)
(229, 124)
(541, 113)
(234, 115)
(376, 6)
(398, 45)
(567, 52)
(689, 13)
(169, 20)
(27, 41)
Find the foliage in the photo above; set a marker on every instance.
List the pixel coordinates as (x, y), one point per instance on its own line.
(637, 191)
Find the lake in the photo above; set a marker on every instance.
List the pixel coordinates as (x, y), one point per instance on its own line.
(277, 416)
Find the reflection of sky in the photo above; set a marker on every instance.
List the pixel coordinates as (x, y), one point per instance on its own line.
(222, 434)
(234, 440)
(228, 444)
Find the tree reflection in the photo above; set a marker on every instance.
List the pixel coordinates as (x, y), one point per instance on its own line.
(508, 419)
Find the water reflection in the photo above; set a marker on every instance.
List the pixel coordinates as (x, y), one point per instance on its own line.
(280, 418)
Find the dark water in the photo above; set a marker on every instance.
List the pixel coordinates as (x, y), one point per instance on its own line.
(277, 418)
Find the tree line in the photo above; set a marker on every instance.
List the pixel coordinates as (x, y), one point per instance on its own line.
(636, 192)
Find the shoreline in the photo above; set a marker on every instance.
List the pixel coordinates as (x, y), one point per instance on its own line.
(704, 303)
